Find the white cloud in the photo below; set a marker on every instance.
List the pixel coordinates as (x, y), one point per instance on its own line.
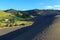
(53, 7)
(48, 7)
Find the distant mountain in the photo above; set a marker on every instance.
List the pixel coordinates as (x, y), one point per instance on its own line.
(46, 25)
(12, 11)
(29, 14)
(17, 13)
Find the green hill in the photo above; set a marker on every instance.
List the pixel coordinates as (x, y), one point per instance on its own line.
(5, 14)
(16, 17)
(9, 19)
(19, 14)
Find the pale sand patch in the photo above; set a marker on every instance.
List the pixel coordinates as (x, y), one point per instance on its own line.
(6, 30)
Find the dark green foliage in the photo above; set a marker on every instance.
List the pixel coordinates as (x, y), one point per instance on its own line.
(25, 15)
(12, 11)
(19, 15)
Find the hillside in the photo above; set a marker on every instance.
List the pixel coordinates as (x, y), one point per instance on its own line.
(19, 14)
(8, 19)
(46, 26)
(5, 14)
(33, 12)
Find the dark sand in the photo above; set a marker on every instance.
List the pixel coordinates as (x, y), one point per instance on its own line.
(51, 33)
(44, 28)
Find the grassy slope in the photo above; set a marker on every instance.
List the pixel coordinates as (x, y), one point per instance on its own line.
(4, 14)
(18, 21)
(8, 15)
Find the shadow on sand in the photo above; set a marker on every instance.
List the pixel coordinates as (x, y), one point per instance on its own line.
(28, 33)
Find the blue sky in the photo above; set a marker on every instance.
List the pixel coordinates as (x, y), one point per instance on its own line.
(29, 4)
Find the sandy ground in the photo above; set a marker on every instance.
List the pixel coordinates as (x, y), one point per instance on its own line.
(51, 33)
(36, 32)
(5, 30)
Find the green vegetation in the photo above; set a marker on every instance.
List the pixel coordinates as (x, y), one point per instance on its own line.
(12, 18)
(8, 19)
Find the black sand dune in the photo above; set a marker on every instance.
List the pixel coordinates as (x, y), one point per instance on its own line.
(51, 33)
(31, 32)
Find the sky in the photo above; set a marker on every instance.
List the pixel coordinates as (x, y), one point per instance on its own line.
(29, 4)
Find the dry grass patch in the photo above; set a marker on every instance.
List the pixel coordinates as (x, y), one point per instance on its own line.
(17, 24)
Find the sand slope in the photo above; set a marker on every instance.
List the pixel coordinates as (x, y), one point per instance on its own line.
(51, 33)
(44, 28)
